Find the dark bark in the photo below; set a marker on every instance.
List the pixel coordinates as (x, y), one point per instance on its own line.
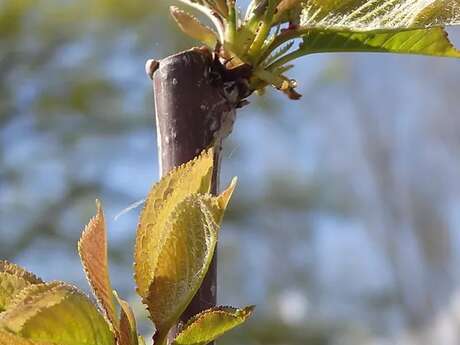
(194, 111)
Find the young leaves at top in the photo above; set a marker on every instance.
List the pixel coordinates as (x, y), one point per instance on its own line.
(393, 26)
(405, 26)
(193, 27)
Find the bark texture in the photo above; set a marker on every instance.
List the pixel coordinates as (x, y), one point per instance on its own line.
(193, 112)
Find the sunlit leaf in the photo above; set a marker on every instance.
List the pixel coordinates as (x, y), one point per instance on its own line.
(193, 27)
(192, 177)
(92, 248)
(213, 12)
(10, 285)
(12, 280)
(288, 10)
(18, 271)
(56, 313)
(187, 247)
(7, 338)
(211, 324)
(369, 15)
(220, 6)
(385, 26)
(128, 328)
(431, 41)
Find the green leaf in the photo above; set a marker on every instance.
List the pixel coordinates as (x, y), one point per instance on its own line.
(18, 271)
(211, 324)
(193, 27)
(219, 6)
(404, 26)
(186, 248)
(10, 285)
(56, 313)
(365, 15)
(394, 26)
(385, 26)
(212, 12)
(192, 177)
(92, 248)
(7, 338)
(288, 11)
(12, 280)
(431, 41)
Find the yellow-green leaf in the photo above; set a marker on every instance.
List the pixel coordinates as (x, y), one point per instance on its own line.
(56, 313)
(12, 280)
(128, 328)
(7, 338)
(211, 324)
(92, 248)
(432, 41)
(185, 252)
(193, 27)
(192, 177)
(220, 6)
(18, 271)
(365, 15)
(393, 26)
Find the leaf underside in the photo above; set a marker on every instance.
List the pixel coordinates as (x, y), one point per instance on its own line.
(210, 324)
(193, 27)
(92, 248)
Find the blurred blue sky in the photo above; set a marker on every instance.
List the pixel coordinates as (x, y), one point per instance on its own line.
(347, 214)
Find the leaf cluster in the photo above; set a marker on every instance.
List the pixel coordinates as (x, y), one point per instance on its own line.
(272, 33)
(175, 242)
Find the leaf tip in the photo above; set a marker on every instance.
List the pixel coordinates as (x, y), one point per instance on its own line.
(225, 196)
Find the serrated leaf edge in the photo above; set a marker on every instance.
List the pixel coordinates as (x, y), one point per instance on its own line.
(16, 270)
(141, 233)
(241, 313)
(108, 311)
